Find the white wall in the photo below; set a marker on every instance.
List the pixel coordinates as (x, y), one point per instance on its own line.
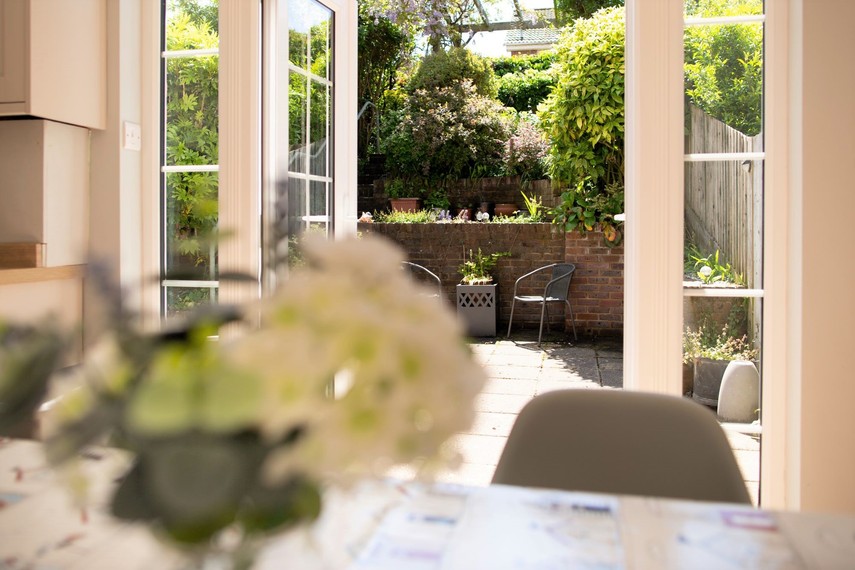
(115, 216)
(825, 404)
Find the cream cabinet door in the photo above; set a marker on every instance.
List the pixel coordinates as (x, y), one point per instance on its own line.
(13, 46)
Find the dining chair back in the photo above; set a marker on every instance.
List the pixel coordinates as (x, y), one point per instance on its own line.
(623, 442)
(424, 275)
(556, 290)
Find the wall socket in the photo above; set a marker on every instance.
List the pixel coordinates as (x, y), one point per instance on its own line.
(131, 136)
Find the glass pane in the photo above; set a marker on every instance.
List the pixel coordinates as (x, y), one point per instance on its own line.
(190, 223)
(192, 110)
(724, 76)
(318, 196)
(321, 46)
(192, 24)
(724, 224)
(183, 299)
(297, 206)
(319, 128)
(298, 138)
(716, 331)
(719, 8)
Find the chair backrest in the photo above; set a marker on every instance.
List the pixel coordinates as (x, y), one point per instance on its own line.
(425, 275)
(623, 442)
(559, 286)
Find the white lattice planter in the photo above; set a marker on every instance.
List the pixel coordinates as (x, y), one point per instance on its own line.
(477, 306)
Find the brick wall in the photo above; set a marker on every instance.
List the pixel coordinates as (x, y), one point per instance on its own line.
(596, 291)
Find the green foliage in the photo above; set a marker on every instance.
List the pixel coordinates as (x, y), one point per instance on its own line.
(569, 10)
(585, 207)
(192, 138)
(409, 217)
(525, 90)
(724, 71)
(534, 207)
(583, 117)
(437, 199)
(710, 268)
(477, 269)
(383, 49)
(446, 68)
(521, 63)
(448, 133)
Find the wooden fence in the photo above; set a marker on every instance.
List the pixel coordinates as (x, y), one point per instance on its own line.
(723, 200)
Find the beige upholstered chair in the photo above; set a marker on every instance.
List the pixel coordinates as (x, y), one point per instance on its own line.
(623, 442)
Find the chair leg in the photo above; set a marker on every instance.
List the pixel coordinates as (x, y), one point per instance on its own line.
(540, 332)
(572, 319)
(511, 320)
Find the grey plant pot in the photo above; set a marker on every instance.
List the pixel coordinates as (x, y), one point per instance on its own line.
(707, 380)
(477, 307)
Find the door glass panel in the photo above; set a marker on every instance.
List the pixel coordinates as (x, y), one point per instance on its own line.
(723, 218)
(724, 80)
(190, 153)
(190, 222)
(723, 224)
(298, 135)
(309, 173)
(722, 8)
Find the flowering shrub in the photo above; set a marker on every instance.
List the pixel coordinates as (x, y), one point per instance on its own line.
(526, 150)
(448, 132)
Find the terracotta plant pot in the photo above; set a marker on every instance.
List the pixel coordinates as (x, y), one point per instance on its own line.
(405, 204)
(505, 209)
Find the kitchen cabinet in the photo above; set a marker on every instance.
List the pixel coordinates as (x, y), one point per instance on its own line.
(53, 60)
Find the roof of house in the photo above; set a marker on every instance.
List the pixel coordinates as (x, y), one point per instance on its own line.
(536, 36)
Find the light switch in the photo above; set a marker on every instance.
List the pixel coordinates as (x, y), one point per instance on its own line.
(132, 139)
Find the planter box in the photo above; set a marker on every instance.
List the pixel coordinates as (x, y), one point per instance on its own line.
(477, 306)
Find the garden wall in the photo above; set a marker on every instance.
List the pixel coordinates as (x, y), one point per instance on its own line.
(596, 291)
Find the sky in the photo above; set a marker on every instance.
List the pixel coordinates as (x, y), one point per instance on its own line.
(492, 43)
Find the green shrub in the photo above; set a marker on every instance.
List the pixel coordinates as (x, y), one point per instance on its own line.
(448, 133)
(525, 90)
(446, 68)
(583, 117)
(520, 63)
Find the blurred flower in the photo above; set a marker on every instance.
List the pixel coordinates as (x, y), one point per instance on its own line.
(349, 370)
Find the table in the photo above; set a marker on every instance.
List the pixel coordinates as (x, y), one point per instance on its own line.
(387, 525)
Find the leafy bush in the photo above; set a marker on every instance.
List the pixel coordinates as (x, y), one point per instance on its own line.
(569, 10)
(526, 150)
(446, 68)
(447, 133)
(383, 49)
(525, 90)
(724, 73)
(520, 63)
(583, 117)
(585, 206)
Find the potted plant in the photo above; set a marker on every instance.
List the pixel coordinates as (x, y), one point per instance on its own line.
(403, 195)
(710, 353)
(477, 302)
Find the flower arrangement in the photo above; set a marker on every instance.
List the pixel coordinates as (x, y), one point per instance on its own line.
(343, 372)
